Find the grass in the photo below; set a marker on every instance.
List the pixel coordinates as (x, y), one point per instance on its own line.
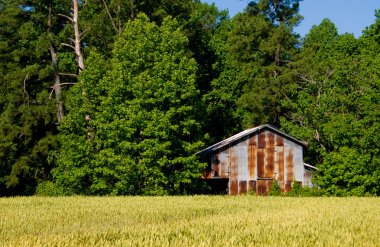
(189, 221)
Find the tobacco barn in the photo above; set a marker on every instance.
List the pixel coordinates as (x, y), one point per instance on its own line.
(252, 159)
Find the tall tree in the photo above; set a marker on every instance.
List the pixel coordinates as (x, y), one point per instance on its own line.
(142, 125)
(269, 44)
(334, 107)
(27, 122)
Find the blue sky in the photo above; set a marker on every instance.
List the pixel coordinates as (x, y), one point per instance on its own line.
(350, 16)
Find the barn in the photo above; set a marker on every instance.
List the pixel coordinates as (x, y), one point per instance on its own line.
(252, 159)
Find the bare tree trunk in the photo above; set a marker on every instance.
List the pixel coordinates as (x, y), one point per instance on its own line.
(132, 7)
(57, 82)
(77, 36)
(119, 17)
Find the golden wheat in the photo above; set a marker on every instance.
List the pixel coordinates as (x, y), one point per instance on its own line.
(189, 221)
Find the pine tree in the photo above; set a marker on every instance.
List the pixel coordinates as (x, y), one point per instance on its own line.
(28, 113)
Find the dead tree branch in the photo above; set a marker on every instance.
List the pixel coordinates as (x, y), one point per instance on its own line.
(58, 85)
(24, 87)
(68, 74)
(67, 17)
(109, 15)
(72, 47)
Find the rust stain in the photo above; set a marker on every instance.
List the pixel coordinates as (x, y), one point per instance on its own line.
(233, 187)
(289, 166)
(252, 141)
(261, 140)
(233, 165)
(281, 184)
(288, 186)
(260, 190)
(260, 163)
(263, 187)
(279, 141)
(250, 160)
(252, 153)
(270, 137)
(252, 185)
(269, 155)
(280, 161)
(216, 170)
(242, 187)
(269, 164)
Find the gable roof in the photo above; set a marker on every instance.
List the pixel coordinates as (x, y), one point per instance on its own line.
(248, 132)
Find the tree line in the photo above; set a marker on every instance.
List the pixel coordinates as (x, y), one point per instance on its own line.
(112, 97)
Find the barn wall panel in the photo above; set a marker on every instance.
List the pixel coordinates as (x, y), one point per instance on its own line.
(242, 160)
(269, 162)
(261, 140)
(225, 163)
(233, 164)
(298, 162)
(263, 186)
(252, 158)
(233, 187)
(307, 178)
(243, 187)
(289, 165)
(261, 162)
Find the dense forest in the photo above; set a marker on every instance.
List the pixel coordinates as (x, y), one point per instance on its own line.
(113, 97)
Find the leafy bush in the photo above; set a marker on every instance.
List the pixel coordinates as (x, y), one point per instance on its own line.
(297, 191)
(275, 189)
(48, 188)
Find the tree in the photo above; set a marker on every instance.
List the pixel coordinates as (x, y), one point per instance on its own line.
(27, 115)
(334, 107)
(135, 129)
(263, 43)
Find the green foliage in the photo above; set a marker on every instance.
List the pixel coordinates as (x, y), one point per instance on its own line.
(134, 129)
(299, 191)
(333, 107)
(275, 189)
(27, 115)
(261, 43)
(48, 188)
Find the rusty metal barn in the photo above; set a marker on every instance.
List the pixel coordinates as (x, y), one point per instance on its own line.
(252, 159)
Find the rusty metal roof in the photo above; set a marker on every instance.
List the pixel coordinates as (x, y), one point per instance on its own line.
(248, 132)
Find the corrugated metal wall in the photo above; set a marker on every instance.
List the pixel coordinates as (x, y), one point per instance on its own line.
(253, 163)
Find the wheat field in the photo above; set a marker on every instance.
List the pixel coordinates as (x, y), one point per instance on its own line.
(189, 221)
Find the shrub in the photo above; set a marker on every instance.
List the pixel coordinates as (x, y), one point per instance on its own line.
(48, 188)
(275, 189)
(299, 191)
